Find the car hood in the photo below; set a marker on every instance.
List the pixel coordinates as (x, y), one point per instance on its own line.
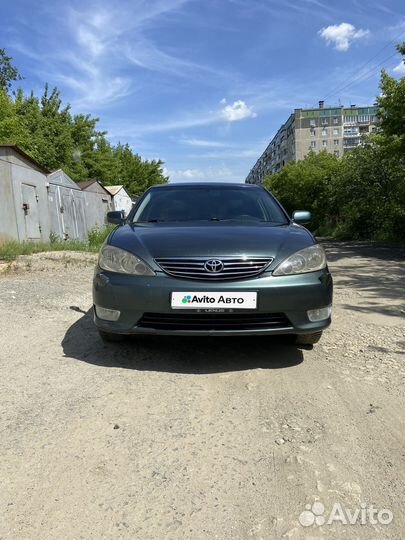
(213, 240)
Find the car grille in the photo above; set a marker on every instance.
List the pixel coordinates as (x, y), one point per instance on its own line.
(214, 321)
(233, 268)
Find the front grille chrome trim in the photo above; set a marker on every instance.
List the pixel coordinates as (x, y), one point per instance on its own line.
(234, 267)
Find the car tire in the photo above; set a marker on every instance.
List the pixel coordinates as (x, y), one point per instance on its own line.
(308, 339)
(109, 336)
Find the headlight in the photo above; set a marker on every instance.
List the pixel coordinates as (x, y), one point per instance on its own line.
(118, 260)
(310, 259)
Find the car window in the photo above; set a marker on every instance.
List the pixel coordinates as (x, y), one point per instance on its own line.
(208, 204)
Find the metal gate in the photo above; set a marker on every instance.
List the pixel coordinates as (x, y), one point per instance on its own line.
(69, 218)
(31, 214)
(81, 229)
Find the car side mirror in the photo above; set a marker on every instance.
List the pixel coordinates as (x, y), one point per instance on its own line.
(117, 218)
(301, 217)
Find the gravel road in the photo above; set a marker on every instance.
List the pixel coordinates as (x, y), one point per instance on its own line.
(186, 438)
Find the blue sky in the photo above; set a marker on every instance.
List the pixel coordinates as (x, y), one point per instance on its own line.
(203, 84)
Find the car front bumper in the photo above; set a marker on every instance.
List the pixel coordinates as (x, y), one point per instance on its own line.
(133, 296)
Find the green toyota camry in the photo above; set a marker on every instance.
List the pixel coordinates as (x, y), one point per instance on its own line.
(211, 258)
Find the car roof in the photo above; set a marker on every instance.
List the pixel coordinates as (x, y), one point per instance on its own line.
(205, 184)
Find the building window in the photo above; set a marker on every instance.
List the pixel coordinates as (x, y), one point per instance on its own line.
(312, 123)
(313, 132)
(324, 143)
(336, 152)
(324, 133)
(336, 120)
(324, 122)
(351, 131)
(336, 131)
(313, 144)
(336, 142)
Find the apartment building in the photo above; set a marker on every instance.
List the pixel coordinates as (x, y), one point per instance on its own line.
(334, 129)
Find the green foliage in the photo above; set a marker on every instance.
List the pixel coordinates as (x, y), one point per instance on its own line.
(96, 237)
(51, 134)
(10, 249)
(305, 185)
(8, 72)
(391, 104)
(369, 193)
(137, 175)
(361, 196)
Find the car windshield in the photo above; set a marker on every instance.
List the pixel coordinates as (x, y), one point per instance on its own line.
(202, 203)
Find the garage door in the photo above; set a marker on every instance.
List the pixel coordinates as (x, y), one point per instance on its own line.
(31, 213)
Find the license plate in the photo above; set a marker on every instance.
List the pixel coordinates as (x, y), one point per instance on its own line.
(204, 300)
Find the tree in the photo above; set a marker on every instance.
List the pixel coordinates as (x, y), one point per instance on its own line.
(47, 131)
(8, 72)
(391, 104)
(12, 129)
(305, 185)
(135, 173)
(368, 194)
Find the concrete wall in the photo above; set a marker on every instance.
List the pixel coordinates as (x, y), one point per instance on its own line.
(122, 201)
(319, 132)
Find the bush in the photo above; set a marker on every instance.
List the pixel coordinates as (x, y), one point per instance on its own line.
(361, 196)
(97, 236)
(305, 185)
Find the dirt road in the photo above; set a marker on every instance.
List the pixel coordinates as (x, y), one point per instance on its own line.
(201, 438)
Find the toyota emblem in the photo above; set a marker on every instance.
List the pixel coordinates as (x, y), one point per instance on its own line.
(214, 266)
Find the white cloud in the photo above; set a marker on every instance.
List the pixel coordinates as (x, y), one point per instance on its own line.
(400, 68)
(203, 143)
(231, 113)
(237, 111)
(190, 174)
(209, 173)
(102, 43)
(146, 55)
(342, 35)
(228, 154)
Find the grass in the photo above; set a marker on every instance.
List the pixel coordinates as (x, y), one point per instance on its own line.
(10, 249)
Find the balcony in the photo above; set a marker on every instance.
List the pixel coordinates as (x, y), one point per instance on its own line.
(348, 143)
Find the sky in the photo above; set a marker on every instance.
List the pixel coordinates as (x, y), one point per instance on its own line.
(203, 84)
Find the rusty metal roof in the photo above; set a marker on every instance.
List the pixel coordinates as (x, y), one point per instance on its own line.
(88, 183)
(84, 185)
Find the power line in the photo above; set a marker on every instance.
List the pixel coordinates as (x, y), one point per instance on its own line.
(342, 85)
(363, 76)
